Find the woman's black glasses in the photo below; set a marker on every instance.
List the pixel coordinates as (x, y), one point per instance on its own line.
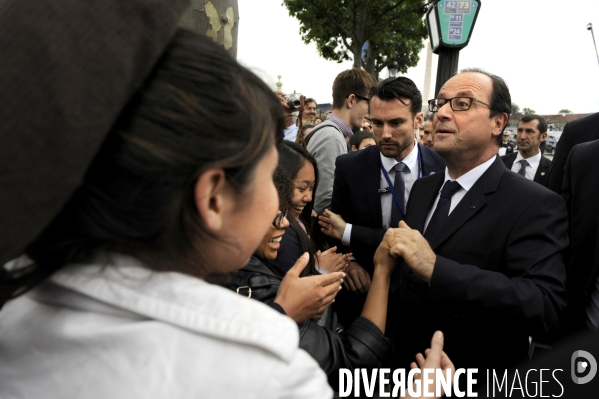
(279, 219)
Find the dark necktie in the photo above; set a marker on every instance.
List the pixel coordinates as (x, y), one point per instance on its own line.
(442, 210)
(400, 188)
(523, 164)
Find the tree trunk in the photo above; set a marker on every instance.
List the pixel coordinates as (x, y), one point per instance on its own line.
(370, 60)
(358, 39)
(358, 55)
(219, 19)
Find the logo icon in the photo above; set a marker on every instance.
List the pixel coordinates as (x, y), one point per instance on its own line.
(580, 367)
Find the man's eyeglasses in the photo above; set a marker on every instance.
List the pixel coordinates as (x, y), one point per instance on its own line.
(278, 222)
(362, 98)
(456, 103)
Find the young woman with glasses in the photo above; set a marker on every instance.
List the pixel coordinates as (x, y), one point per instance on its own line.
(363, 344)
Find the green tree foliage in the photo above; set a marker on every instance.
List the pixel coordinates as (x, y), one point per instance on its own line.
(528, 111)
(515, 108)
(394, 30)
(564, 111)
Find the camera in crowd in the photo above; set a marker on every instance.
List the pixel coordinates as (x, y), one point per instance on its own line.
(294, 101)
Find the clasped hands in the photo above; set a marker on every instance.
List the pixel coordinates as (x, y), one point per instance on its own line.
(406, 243)
(410, 245)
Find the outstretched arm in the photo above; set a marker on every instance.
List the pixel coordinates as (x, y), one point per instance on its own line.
(375, 308)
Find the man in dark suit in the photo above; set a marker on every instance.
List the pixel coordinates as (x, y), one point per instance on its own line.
(507, 144)
(581, 192)
(579, 131)
(363, 206)
(482, 247)
(529, 161)
(361, 192)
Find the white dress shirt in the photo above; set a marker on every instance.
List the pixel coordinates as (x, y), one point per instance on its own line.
(411, 161)
(466, 182)
(290, 133)
(533, 165)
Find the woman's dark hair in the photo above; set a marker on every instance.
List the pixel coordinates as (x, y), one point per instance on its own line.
(284, 186)
(357, 138)
(300, 139)
(293, 157)
(199, 109)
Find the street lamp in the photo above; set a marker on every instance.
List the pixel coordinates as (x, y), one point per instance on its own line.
(393, 67)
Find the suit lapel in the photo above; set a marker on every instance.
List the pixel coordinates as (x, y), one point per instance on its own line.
(509, 160)
(472, 203)
(371, 179)
(427, 162)
(542, 170)
(421, 199)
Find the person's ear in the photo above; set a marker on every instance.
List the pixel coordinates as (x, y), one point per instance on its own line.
(349, 101)
(418, 120)
(353, 147)
(543, 137)
(209, 195)
(500, 123)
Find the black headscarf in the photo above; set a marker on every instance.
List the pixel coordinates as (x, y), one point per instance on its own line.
(67, 70)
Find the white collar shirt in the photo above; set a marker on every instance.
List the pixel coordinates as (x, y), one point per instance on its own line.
(412, 162)
(466, 181)
(533, 163)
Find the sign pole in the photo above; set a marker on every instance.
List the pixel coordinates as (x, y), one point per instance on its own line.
(447, 66)
(450, 25)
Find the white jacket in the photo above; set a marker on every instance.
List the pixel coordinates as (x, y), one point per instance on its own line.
(126, 332)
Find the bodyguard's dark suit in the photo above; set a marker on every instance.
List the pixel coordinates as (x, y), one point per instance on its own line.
(542, 170)
(576, 132)
(581, 193)
(357, 200)
(499, 275)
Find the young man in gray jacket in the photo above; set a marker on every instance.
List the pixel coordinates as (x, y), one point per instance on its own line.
(329, 139)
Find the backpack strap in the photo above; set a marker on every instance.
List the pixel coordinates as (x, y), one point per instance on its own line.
(318, 128)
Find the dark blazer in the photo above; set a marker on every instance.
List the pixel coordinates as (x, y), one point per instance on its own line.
(499, 274)
(581, 193)
(579, 131)
(509, 147)
(357, 200)
(542, 170)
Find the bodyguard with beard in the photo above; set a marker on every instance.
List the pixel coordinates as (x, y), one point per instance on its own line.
(370, 184)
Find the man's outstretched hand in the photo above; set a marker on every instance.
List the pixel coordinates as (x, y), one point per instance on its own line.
(332, 224)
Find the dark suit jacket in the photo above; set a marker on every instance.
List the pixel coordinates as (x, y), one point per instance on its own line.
(357, 200)
(542, 170)
(499, 275)
(581, 192)
(560, 384)
(579, 131)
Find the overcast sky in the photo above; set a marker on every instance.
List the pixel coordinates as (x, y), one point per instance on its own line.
(542, 48)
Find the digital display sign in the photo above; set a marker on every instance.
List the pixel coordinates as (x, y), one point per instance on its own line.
(453, 21)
